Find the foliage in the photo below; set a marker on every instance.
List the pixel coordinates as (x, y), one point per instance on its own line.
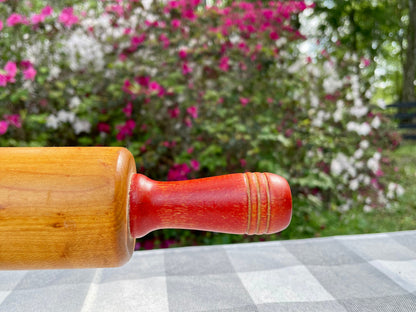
(195, 92)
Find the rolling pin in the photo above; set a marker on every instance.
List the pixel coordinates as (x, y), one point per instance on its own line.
(83, 207)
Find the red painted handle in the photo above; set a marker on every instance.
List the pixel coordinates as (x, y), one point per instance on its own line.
(244, 203)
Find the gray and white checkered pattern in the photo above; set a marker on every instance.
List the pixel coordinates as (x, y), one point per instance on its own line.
(375, 272)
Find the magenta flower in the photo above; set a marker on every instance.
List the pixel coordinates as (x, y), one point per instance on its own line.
(163, 38)
(10, 69)
(186, 69)
(366, 62)
(176, 23)
(154, 86)
(143, 81)
(243, 162)
(173, 113)
(29, 73)
(37, 18)
(4, 125)
(67, 17)
(128, 110)
(137, 40)
(1, 25)
(15, 19)
(178, 172)
(244, 101)
(3, 80)
(224, 65)
(46, 11)
(14, 120)
(193, 111)
(103, 127)
(195, 165)
(182, 54)
(126, 129)
(274, 35)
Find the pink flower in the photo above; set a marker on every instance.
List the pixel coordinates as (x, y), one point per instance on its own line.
(1, 25)
(192, 111)
(269, 100)
(14, 120)
(103, 127)
(46, 11)
(154, 86)
(195, 165)
(4, 125)
(128, 110)
(37, 18)
(15, 19)
(190, 150)
(224, 66)
(178, 172)
(116, 8)
(126, 129)
(243, 162)
(29, 73)
(366, 62)
(274, 35)
(186, 69)
(176, 23)
(174, 112)
(136, 41)
(163, 38)
(244, 101)
(143, 81)
(3, 80)
(189, 14)
(67, 17)
(182, 54)
(10, 69)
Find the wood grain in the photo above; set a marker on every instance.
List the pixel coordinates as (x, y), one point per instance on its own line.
(64, 207)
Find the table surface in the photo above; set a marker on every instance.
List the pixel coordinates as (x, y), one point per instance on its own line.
(373, 272)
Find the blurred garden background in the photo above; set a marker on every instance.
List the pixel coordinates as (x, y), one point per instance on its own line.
(200, 88)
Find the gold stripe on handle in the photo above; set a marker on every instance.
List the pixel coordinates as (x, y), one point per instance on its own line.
(247, 181)
(256, 181)
(268, 203)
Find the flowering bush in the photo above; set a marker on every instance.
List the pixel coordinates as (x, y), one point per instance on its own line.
(194, 91)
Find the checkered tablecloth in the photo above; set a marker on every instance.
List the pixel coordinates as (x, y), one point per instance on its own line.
(375, 272)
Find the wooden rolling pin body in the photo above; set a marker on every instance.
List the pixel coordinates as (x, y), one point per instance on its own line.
(77, 207)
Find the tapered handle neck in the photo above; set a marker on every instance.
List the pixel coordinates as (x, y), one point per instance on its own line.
(246, 203)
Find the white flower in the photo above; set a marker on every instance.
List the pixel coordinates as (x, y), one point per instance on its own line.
(354, 185)
(364, 144)
(234, 38)
(367, 208)
(281, 42)
(376, 122)
(81, 126)
(336, 167)
(52, 122)
(358, 153)
(75, 102)
(332, 84)
(373, 164)
(381, 103)
(358, 111)
(361, 129)
(399, 190)
(314, 101)
(64, 116)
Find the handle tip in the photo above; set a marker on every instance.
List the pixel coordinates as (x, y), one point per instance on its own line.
(269, 203)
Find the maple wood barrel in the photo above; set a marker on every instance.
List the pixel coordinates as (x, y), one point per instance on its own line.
(79, 207)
